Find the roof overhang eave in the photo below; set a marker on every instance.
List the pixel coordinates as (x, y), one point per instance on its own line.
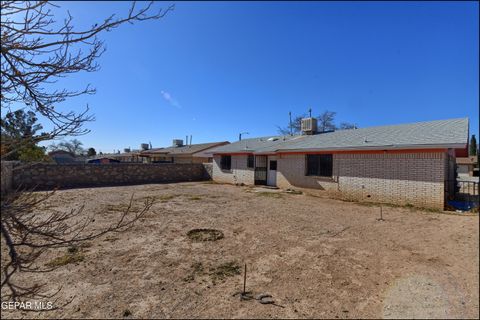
(384, 147)
(231, 152)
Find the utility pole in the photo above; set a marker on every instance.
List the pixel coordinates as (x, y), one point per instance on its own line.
(240, 135)
(290, 116)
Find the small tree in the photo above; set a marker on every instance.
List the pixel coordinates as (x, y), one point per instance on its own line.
(20, 126)
(91, 152)
(326, 121)
(32, 154)
(473, 146)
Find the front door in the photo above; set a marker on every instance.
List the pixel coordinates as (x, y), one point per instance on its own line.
(260, 170)
(272, 171)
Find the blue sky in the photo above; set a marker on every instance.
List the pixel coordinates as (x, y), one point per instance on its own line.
(214, 69)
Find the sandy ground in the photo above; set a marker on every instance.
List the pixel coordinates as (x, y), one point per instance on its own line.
(318, 258)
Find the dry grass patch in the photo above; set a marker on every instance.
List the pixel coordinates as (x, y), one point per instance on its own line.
(199, 235)
(269, 194)
(122, 207)
(68, 258)
(228, 269)
(167, 197)
(216, 273)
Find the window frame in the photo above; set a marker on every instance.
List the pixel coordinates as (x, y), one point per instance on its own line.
(320, 161)
(270, 165)
(251, 161)
(224, 164)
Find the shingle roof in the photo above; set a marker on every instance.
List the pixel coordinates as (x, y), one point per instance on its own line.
(253, 144)
(185, 150)
(440, 133)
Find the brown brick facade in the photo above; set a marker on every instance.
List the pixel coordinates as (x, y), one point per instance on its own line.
(415, 178)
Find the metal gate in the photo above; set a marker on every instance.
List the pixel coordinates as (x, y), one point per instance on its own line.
(462, 193)
(260, 170)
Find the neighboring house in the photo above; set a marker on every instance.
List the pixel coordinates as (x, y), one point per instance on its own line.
(133, 156)
(466, 166)
(400, 164)
(103, 160)
(62, 157)
(179, 153)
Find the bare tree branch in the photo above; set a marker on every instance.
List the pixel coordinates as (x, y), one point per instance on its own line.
(36, 52)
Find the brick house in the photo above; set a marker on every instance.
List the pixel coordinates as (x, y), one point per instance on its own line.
(180, 153)
(466, 165)
(398, 164)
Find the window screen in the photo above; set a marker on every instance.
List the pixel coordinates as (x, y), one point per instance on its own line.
(319, 165)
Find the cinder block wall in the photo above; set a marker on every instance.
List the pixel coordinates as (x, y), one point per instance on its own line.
(398, 178)
(47, 176)
(239, 173)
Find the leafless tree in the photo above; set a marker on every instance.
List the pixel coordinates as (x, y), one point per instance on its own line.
(73, 146)
(326, 121)
(346, 126)
(293, 128)
(37, 51)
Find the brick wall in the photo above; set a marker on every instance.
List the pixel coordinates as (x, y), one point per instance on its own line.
(47, 176)
(239, 173)
(291, 170)
(398, 178)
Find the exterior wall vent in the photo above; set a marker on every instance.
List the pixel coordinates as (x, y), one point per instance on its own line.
(309, 126)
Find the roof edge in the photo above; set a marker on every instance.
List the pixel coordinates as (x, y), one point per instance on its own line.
(385, 147)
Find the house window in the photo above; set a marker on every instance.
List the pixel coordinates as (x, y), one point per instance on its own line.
(319, 165)
(250, 161)
(226, 162)
(273, 164)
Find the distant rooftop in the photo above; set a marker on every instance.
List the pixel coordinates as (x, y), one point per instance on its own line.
(184, 150)
(467, 160)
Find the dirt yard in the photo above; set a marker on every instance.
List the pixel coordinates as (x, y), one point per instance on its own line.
(316, 257)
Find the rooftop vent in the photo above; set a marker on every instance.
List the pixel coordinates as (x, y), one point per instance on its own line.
(177, 142)
(309, 126)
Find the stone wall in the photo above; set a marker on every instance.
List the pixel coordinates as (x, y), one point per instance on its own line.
(7, 176)
(208, 170)
(47, 176)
